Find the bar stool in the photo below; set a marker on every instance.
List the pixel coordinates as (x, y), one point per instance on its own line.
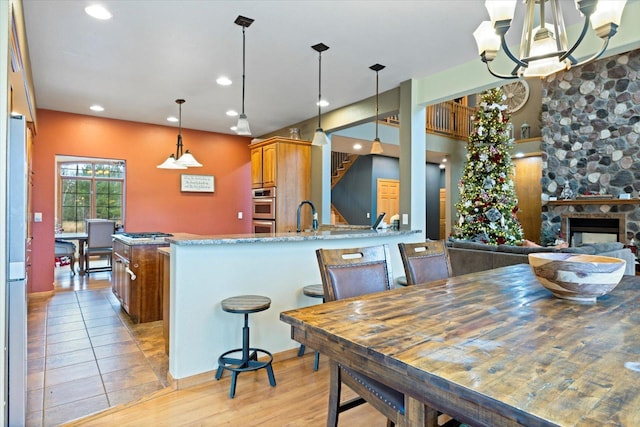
(313, 291)
(245, 304)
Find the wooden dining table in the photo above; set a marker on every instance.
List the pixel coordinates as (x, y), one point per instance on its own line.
(81, 238)
(493, 348)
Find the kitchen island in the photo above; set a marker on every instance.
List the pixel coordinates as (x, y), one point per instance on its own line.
(205, 270)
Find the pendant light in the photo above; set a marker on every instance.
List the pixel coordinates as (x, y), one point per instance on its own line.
(242, 128)
(320, 138)
(179, 160)
(376, 147)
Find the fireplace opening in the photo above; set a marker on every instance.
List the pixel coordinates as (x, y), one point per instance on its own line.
(580, 228)
(592, 230)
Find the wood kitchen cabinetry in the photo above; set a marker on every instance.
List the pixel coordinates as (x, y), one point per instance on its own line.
(135, 280)
(283, 163)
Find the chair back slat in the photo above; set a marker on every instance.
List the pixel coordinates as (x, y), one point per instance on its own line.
(353, 272)
(425, 262)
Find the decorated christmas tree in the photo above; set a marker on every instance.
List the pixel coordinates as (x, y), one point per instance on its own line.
(488, 206)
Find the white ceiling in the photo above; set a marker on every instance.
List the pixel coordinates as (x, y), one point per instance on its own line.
(153, 52)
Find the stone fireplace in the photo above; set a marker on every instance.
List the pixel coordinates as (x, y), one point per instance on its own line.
(591, 145)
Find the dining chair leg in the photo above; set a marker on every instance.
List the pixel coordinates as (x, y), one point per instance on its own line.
(334, 394)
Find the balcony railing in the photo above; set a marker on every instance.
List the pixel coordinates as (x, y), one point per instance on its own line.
(447, 118)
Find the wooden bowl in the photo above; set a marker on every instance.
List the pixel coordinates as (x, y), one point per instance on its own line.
(577, 277)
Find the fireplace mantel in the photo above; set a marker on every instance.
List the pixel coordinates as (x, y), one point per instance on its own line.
(593, 202)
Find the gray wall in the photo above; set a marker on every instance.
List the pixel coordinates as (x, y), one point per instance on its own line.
(355, 194)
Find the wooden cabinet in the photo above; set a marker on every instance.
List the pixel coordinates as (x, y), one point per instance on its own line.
(274, 155)
(135, 280)
(285, 164)
(164, 273)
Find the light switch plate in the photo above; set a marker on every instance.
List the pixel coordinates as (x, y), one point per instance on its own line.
(405, 219)
(37, 217)
(239, 215)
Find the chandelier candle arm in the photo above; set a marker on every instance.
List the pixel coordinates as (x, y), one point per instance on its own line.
(544, 49)
(320, 138)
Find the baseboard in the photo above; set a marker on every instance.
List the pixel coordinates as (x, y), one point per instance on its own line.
(41, 295)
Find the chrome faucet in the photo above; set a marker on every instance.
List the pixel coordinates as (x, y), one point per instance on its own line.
(313, 212)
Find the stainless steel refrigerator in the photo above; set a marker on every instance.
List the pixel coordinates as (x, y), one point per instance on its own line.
(16, 281)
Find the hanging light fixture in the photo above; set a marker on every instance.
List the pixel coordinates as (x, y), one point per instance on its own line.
(242, 128)
(320, 138)
(376, 147)
(179, 160)
(544, 49)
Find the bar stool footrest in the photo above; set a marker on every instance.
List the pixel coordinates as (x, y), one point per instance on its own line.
(237, 364)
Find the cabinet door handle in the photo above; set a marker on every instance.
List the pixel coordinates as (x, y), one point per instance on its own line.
(131, 273)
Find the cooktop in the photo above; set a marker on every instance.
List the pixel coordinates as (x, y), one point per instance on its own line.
(147, 235)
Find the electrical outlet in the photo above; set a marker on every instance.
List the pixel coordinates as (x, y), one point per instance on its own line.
(239, 215)
(368, 215)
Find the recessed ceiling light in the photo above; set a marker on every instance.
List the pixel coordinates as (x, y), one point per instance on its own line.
(98, 12)
(223, 81)
(519, 155)
(172, 119)
(444, 160)
(234, 128)
(442, 166)
(96, 108)
(232, 113)
(357, 146)
(323, 103)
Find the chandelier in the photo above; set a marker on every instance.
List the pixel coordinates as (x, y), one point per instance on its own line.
(180, 160)
(544, 47)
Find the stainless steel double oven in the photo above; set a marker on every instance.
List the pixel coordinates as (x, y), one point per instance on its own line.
(263, 210)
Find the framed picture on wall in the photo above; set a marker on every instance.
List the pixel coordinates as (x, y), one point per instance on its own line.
(197, 183)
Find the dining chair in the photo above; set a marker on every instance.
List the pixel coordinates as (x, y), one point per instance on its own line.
(99, 242)
(63, 249)
(425, 261)
(350, 273)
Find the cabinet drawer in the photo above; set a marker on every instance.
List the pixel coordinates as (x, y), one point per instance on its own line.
(122, 249)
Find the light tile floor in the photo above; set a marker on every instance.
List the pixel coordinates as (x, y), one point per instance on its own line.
(84, 353)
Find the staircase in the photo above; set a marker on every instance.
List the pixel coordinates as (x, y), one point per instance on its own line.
(336, 217)
(340, 164)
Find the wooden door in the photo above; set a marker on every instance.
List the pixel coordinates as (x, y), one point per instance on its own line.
(388, 197)
(269, 165)
(528, 173)
(443, 216)
(256, 167)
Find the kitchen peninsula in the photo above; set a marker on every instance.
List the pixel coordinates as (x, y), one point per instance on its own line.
(205, 270)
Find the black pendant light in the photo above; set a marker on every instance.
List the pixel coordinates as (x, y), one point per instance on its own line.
(242, 128)
(320, 138)
(376, 147)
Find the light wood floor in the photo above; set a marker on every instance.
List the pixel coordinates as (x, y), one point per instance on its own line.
(299, 399)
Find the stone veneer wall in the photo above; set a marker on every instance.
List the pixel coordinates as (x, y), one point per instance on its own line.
(590, 137)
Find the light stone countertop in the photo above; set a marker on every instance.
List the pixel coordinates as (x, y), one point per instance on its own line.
(183, 239)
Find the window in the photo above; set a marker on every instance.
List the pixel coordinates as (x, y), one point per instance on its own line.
(89, 188)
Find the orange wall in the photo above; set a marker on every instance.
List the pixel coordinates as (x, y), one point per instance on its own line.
(153, 198)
